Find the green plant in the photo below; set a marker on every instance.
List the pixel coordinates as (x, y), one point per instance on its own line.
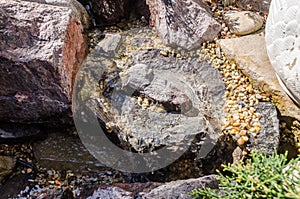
(260, 177)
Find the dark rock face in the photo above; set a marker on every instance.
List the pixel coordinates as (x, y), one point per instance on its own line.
(108, 11)
(42, 46)
(140, 9)
(185, 24)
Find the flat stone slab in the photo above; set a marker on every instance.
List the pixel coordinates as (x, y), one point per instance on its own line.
(251, 55)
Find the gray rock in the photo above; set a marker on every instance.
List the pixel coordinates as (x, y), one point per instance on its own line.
(181, 188)
(42, 46)
(268, 138)
(185, 24)
(138, 77)
(243, 22)
(109, 45)
(259, 69)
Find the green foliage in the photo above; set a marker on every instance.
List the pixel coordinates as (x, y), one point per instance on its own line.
(260, 177)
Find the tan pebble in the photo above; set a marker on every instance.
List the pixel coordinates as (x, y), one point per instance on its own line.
(164, 53)
(241, 141)
(250, 89)
(248, 127)
(233, 131)
(244, 153)
(140, 101)
(57, 182)
(245, 138)
(106, 104)
(257, 129)
(236, 124)
(243, 133)
(252, 110)
(28, 170)
(145, 103)
(258, 115)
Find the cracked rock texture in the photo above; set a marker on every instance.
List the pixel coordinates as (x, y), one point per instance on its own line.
(185, 24)
(42, 46)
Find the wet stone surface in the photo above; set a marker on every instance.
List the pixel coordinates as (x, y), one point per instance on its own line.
(173, 100)
(150, 97)
(63, 152)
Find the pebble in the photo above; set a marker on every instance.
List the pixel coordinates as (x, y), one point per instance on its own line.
(240, 121)
(164, 53)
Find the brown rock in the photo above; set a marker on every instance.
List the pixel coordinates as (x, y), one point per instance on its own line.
(185, 24)
(42, 46)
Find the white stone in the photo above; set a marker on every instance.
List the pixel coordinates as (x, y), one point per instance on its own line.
(243, 22)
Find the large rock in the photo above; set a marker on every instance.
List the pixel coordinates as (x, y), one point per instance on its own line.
(148, 101)
(185, 24)
(42, 46)
(258, 67)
